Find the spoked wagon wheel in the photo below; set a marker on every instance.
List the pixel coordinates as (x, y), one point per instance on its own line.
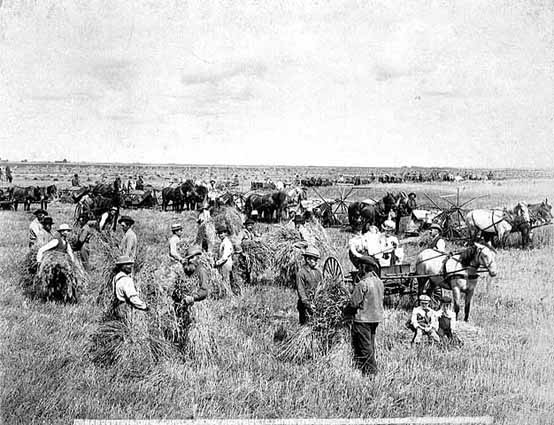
(332, 269)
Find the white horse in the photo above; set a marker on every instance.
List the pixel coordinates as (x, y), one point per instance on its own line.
(458, 273)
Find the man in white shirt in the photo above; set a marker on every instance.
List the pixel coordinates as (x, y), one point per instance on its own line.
(437, 242)
(225, 261)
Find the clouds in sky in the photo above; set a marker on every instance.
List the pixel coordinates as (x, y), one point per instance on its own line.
(288, 82)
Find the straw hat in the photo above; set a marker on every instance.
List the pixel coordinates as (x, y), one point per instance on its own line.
(124, 259)
(436, 226)
(424, 298)
(40, 211)
(64, 228)
(311, 251)
(176, 226)
(127, 219)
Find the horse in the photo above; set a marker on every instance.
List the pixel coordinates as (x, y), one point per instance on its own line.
(264, 204)
(194, 195)
(28, 195)
(361, 213)
(280, 202)
(499, 223)
(457, 273)
(175, 196)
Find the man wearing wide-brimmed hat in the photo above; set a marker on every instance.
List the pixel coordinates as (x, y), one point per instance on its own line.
(308, 278)
(108, 219)
(125, 294)
(59, 243)
(433, 238)
(128, 245)
(365, 310)
(174, 241)
(424, 321)
(35, 227)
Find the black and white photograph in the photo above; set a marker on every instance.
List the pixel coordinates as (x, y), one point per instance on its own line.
(314, 212)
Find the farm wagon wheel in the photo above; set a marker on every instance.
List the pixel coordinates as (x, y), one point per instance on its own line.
(453, 219)
(332, 269)
(339, 207)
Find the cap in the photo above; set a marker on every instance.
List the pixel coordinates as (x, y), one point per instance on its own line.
(192, 251)
(249, 222)
(176, 226)
(311, 251)
(436, 226)
(446, 300)
(424, 298)
(388, 225)
(254, 212)
(40, 211)
(411, 195)
(126, 219)
(124, 259)
(64, 227)
(47, 220)
(113, 209)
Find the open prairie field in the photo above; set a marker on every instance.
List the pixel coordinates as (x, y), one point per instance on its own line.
(505, 370)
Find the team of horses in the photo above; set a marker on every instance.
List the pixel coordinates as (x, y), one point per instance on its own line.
(30, 195)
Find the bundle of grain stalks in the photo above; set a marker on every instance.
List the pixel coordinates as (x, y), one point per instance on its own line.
(258, 257)
(286, 261)
(189, 328)
(128, 345)
(326, 327)
(206, 236)
(59, 278)
(27, 271)
(229, 217)
(107, 247)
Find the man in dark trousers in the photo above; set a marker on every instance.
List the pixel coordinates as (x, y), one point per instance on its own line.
(307, 280)
(366, 309)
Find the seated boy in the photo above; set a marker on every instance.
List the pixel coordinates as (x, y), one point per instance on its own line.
(424, 321)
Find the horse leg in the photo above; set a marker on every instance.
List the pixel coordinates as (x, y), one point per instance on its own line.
(469, 296)
(456, 298)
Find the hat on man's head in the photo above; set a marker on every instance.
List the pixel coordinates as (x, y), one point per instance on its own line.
(424, 298)
(249, 221)
(47, 220)
(114, 208)
(411, 195)
(124, 259)
(40, 211)
(254, 213)
(126, 219)
(311, 251)
(192, 251)
(176, 226)
(389, 225)
(436, 226)
(222, 229)
(64, 227)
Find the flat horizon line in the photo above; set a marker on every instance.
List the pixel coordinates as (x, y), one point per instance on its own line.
(155, 164)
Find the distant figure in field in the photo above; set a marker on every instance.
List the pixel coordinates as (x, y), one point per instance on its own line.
(1, 175)
(140, 183)
(9, 176)
(75, 180)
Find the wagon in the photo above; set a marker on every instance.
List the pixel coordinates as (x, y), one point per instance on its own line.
(139, 199)
(399, 282)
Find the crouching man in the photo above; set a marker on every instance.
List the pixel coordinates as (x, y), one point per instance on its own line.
(365, 309)
(424, 321)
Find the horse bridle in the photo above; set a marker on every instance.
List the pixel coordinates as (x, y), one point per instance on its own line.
(476, 267)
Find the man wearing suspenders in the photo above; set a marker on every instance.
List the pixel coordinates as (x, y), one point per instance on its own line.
(124, 291)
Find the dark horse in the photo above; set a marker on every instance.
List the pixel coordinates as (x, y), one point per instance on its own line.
(28, 195)
(270, 206)
(194, 195)
(361, 213)
(175, 196)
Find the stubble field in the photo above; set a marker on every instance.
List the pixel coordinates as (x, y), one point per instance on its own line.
(507, 372)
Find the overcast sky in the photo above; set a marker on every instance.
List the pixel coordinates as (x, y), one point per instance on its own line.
(337, 82)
